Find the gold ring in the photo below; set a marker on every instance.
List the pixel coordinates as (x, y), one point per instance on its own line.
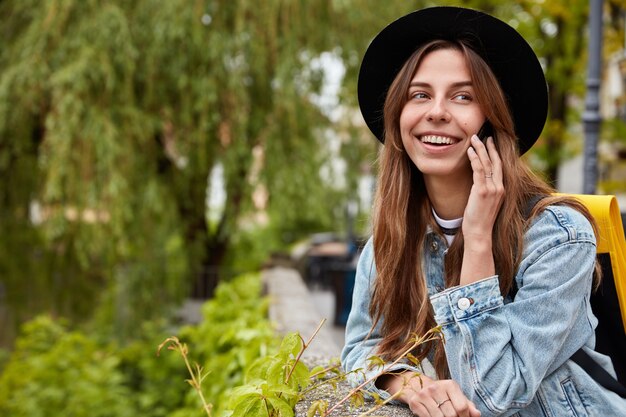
(439, 404)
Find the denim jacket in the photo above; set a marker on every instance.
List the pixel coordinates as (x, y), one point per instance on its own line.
(510, 357)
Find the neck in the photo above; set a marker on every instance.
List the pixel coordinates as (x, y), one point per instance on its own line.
(448, 196)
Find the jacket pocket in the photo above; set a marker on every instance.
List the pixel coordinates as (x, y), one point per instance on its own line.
(573, 398)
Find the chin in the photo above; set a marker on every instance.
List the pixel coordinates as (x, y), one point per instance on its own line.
(444, 171)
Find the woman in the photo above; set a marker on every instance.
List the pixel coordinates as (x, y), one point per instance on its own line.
(465, 237)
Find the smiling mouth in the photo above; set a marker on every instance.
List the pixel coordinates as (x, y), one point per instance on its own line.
(438, 140)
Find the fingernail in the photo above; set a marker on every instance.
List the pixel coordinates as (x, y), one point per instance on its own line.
(475, 138)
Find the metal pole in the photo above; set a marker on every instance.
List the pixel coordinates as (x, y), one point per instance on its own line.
(591, 116)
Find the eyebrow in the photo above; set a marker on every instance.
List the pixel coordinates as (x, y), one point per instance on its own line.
(454, 85)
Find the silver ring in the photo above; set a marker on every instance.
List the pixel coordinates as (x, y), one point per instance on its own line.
(490, 175)
(439, 404)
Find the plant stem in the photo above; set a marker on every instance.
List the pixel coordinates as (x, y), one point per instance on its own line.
(323, 371)
(326, 381)
(305, 345)
(196, 384)
(196, 381)
(429, 336)
(379, 406)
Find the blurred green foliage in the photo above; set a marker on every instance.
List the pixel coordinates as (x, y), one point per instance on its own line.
(234, 332)
(113, 117)
(54, 371)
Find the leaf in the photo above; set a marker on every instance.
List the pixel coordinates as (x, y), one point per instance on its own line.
(300, 376)
(357, 399)
(291, 345)
(260, 368)
(278, 404)
(277, 370)
(317, 407)
(279, 389)
(375, 362)
(239, 392)
(243, 398)
(317, 370)
(252, 405)
(376, 397)
(333, 383)
(413, 359)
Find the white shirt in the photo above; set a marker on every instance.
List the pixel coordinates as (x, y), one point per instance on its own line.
(449, 227)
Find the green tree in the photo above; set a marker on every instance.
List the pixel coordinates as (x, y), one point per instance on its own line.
(114, 114)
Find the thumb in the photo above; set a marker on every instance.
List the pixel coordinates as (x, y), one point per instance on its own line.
(474, 412)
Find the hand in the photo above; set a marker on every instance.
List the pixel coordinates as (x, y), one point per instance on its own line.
(430, 398)
(487, 192)
(481, 211)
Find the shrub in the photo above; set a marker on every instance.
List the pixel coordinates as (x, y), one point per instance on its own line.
(55, 372)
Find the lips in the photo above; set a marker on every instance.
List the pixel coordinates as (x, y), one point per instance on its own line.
(438, 140)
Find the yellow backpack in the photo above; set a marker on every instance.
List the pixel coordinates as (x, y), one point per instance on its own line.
(608, 302)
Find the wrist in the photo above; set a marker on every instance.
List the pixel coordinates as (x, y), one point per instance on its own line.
(477, 245)
(478, 262)
(397, 382)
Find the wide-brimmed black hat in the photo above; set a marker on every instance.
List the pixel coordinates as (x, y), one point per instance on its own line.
(508, 55)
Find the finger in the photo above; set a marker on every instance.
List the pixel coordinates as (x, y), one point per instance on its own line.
(432, 407)
(433, 396)
(423, 403)
(483, 155)
(473, 410)
(418, 408)
(497, 176)
(459, 403)
(494, 157)
(448, 410)
(478, 171)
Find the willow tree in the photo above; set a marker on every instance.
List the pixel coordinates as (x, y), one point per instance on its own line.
(113, 116)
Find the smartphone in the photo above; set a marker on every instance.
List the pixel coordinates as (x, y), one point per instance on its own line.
(485, 131)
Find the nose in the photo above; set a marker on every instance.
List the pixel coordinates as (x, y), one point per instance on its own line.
(438, 112)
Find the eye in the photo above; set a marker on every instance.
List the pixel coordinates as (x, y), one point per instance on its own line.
(418, 95)
(462, 97)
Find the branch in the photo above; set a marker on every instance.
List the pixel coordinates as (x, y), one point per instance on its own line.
(430, 335)
(196, 380)
(305, 345)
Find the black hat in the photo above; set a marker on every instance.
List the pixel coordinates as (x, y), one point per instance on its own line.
(508, 55)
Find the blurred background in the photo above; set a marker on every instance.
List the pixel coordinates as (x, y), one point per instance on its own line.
(151, 149)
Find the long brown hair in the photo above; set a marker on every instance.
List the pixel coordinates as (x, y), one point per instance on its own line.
(402, 213)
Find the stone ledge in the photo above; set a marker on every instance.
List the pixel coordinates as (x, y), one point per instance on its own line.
(333, 396)
(291, 309)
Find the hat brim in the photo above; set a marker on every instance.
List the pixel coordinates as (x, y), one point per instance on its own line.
(506, 52)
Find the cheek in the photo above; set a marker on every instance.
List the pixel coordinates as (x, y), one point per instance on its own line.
(408, 116)
(472, 123)
(404, 119)
(406, 141)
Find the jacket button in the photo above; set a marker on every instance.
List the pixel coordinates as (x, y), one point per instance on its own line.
(434, 246)
(464, 303)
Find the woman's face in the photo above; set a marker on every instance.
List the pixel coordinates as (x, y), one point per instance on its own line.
(441, 115)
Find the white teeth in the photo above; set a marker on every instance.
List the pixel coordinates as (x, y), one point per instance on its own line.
(437, 139)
